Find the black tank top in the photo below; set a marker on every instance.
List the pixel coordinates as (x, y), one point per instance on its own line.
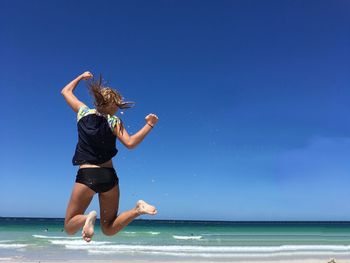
(96, 142)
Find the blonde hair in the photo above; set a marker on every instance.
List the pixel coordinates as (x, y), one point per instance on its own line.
(104, 97)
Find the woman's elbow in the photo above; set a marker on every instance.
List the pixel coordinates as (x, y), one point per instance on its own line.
(66, 91)
(130, 146)
(129, 142)
(63, 92)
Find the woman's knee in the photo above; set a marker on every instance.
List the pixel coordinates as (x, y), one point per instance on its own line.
(69, 230)
(108, 229)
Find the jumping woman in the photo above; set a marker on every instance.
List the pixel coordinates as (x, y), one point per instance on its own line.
(98, 130)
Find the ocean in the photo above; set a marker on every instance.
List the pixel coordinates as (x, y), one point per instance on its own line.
(44, 239)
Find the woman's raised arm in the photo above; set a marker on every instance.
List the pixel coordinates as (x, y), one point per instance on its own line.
(68, 94)
(132, 141)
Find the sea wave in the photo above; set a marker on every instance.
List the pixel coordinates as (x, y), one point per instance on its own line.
(109, 248)
(187, 237)
(133, 233)
(224, 256)
(55, 237)
(6, 241)
(78, 242)
(13, 245)
(277, 236)
(222, 252)
(212, 249)
(153, 233)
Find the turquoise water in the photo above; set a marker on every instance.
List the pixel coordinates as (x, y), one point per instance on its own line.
(44, 239)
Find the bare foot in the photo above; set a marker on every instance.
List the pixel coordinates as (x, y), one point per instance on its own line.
(143, 208)
(88, 229)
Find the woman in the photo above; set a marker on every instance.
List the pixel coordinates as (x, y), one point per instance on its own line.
(98, 129)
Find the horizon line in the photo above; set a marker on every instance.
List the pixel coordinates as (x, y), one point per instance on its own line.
(199, 220)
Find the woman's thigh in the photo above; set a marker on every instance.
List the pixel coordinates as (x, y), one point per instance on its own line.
(79, 200)
(109, 203)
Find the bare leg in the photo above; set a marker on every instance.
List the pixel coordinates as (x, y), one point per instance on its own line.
(109, 203)
(78, 203)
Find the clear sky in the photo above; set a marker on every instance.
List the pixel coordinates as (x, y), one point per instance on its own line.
(252, 99)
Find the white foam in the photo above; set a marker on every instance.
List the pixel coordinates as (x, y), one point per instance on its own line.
(103, 252)
(219, 255)
(154, 233)
(7, 241)
(135, 233)
(211, 249)
(77, 242)
(187, 237)
(13, 245)
(55, 237)
(82, 247)
(100, 247)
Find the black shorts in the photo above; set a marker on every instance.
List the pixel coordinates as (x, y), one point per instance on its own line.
(97, 179)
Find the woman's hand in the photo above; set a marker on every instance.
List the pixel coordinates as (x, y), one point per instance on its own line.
(68, 94)
(151, 119)
(86, 75)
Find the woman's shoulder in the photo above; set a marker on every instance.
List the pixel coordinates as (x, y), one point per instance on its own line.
(113, 121)
(84, 111)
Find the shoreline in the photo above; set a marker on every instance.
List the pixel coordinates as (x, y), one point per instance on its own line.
(212, 221)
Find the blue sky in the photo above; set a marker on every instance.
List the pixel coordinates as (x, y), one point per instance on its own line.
(252, 96)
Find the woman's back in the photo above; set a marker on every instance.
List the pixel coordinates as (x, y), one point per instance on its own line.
(97, 142)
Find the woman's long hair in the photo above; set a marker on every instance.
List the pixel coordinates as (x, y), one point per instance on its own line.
(105, 97)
